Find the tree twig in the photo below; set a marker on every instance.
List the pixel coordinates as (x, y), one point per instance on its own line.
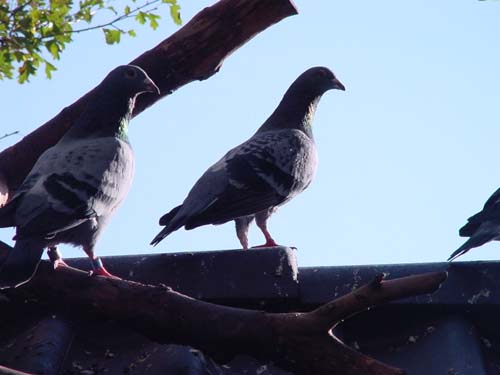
(112, 22)
(9, 134)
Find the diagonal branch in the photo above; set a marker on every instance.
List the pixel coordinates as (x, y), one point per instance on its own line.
(9, 134)
(375, 293)
(195, 52)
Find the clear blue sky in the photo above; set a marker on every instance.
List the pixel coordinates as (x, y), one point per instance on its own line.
(407, 153)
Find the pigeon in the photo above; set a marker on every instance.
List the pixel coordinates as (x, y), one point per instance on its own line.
(253, 179)
(483, 227)
(76, 185)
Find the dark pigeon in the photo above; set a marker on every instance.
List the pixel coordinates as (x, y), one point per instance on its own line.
(76, 185)
(483, 227)
(273, 166)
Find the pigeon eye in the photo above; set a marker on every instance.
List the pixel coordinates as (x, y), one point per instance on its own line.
(322, 72)
(130, 73)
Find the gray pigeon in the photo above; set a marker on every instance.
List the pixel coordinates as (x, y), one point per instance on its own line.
(253, 179)
(76, 185)
(483, 227)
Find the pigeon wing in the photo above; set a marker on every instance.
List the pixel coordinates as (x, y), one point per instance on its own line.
(70, 183)
(252, 177)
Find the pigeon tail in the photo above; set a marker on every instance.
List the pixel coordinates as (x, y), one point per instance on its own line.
(468, 229)
(21, 263)
(473, 224)
(171, 223)
(167, 218)
(164, 233)
(475, 241)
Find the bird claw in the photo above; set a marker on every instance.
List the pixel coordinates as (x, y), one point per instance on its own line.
(269, 243)
(55, 258)
(99, 270)
(103, 273)
(59, 263)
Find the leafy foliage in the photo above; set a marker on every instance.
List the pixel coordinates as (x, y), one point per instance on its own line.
(33, 31)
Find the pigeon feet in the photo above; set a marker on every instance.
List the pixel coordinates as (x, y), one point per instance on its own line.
(55, 258)
(269, 243)
(99, 270)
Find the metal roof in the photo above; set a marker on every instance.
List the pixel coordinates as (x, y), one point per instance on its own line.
(453, 331)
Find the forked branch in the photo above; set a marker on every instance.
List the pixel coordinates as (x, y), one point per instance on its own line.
(299, 342)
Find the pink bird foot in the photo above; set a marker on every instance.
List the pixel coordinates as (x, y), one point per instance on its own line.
(99, 270)
(269, 243)
(55, 258)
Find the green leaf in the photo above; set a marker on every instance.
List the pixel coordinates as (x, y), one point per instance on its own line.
(176, 14)
(6, 67)
(49, 68)
(141, 17)
(25, 71)
(112, 8)
(40, 29)
(112, 36)
(153, 21)
(54, 49)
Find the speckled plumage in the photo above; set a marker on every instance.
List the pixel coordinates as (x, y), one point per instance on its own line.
(273, 166)
(76, 185)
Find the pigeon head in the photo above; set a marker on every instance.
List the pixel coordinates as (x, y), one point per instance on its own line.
(109, 110)
(297, 108)
(315, 82)
(130, 80)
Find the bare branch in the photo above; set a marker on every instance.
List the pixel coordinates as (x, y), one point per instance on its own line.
(122, 17)
(9, 134)
(377, 292)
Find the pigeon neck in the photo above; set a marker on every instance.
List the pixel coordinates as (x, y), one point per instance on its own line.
(122, 132)
(294, 112)
(104, 118)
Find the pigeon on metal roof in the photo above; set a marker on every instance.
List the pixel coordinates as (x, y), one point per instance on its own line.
(483, 227)
(253, 179)
(77, 184)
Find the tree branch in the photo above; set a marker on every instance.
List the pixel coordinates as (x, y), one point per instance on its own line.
(9, 134)
(195, 52)
(112, 22)
(299, 342)
(376, 292)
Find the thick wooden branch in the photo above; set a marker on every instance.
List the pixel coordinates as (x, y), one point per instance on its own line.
(195, 52)
(375, 293)
(299, 342)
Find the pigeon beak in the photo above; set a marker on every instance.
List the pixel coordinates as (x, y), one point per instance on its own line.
(149, 86)
(337, 85)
